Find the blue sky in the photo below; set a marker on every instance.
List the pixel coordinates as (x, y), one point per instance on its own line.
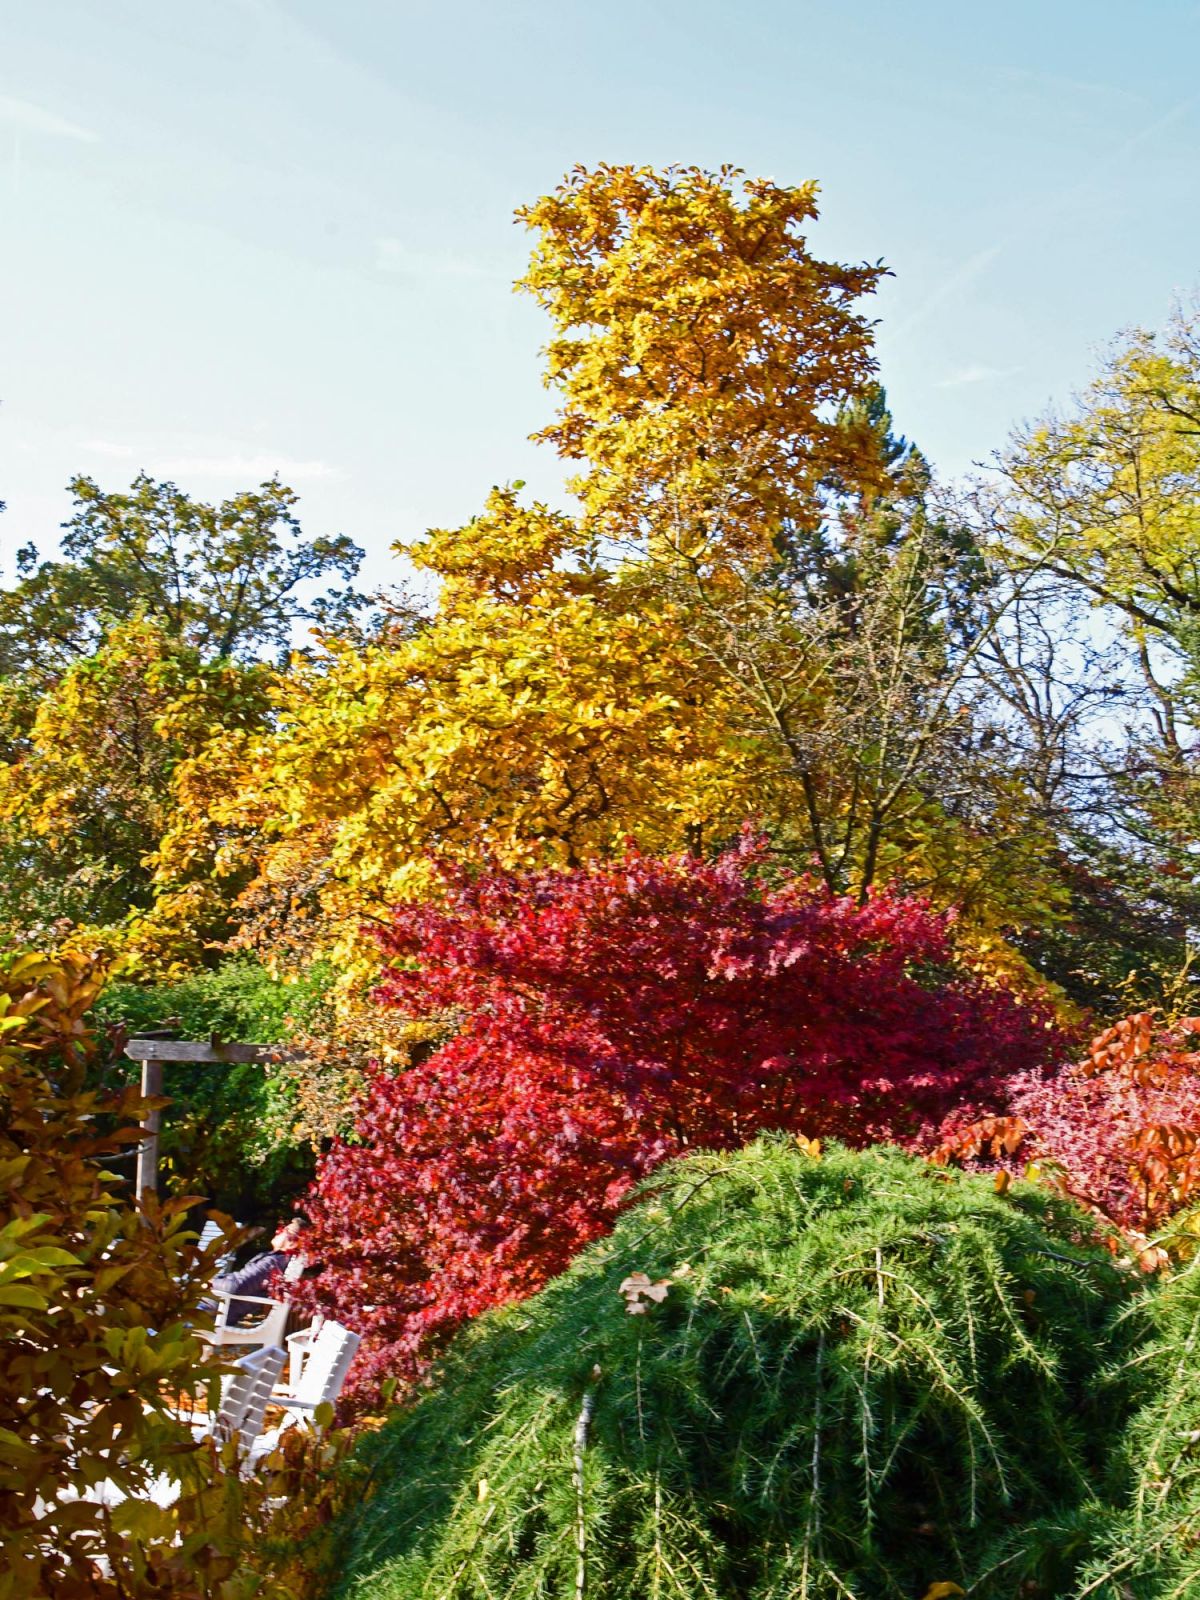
(252, 235)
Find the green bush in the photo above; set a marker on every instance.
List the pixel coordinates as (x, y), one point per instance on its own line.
(229, 1131)
(866, 1376)
(1153, 1552)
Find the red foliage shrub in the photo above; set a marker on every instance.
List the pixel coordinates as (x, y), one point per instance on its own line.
(1120, 1130)
(611, 1017)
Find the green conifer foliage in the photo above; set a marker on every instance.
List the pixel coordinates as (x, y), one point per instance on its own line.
(1153, 1552)
(787, 1373)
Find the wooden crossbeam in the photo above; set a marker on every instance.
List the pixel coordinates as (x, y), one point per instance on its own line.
(198, 1050)
(151, 1053)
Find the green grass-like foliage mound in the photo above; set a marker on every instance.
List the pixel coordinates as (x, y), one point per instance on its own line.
(1153, 1552)
(866, 1376)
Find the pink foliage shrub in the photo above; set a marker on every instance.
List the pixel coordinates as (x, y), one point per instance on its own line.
(1120, 1130)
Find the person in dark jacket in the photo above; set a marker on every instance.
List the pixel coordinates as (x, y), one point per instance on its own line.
(256, 1277)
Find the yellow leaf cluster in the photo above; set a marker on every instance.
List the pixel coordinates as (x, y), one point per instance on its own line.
(538, 719)
(699, 344)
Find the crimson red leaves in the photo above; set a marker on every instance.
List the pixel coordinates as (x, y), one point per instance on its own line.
(612, 1017)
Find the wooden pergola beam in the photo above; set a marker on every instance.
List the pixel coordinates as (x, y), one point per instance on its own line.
(151, 1053)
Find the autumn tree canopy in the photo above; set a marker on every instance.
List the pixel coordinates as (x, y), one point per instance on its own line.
(230, 580)
(753, 613)
(701, 352)
(130, 670)
(760, 604)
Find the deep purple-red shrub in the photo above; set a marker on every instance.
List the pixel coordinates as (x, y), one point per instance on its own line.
(611, 1017)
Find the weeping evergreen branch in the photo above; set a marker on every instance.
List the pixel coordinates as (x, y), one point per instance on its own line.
(1153, 1552)
(867, 1375)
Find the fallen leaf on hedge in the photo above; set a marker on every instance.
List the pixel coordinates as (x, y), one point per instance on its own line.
(637, 1289)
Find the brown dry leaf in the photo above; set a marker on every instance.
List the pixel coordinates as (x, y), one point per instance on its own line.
(942, 1591)
(638, 1289)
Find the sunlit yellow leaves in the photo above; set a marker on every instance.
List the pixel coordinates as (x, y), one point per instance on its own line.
(699, 350)
(548, 712)
(1107, 494)
(119, 774)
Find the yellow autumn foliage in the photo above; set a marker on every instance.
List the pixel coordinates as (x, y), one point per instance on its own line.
(569, 691)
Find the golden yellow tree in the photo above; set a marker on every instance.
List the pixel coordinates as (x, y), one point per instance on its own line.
(701, 352)
(682, 653)
(538, 718)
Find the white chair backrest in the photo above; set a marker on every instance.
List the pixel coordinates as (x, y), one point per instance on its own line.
(244, 1394)
(328, 1362)
(209, 1234)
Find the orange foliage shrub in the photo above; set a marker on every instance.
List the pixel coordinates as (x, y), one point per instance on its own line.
(99, 1303)
(1118, 1130)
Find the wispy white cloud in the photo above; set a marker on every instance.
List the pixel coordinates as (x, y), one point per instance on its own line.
(966, 272)
(245, 468)
(1050, 210)
(1039, 81)
(976, 372)
(393, 255)
(107, 447)
(29, 118)
(1143, 135)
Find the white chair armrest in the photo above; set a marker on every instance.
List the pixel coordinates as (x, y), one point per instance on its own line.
(299, 1344)
(227, 1300)
(241, 1332)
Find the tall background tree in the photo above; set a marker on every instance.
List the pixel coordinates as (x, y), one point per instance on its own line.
(129, 666)
(753, 611)
(1099, 673)
(760, 604)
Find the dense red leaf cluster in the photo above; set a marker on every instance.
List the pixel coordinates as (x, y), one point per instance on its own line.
(1120, 1130)
(609, 1018)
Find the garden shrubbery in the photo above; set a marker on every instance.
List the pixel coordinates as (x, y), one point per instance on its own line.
(788, 1372)
(100, 1363)
(611, 1017)
(1118, 1130)
(1152, 1549)
(231, 1130)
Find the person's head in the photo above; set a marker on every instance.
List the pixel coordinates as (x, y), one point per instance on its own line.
(287, 1236)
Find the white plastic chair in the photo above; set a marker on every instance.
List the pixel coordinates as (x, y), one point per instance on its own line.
(209, 1234)
(269, 1330)
(299, 1348)
(321, 1381)
(271, 1326)
(244, 1397)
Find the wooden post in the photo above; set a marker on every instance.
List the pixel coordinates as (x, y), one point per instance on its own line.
(147, 1161)
(152, 1052)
